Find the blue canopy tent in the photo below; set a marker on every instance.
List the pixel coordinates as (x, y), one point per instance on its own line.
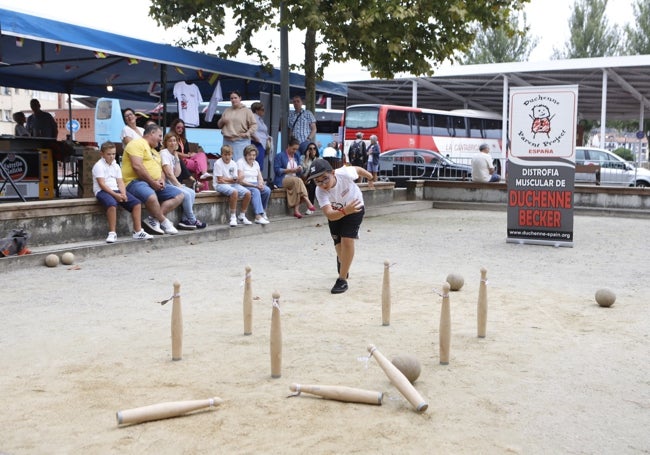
(42, 54)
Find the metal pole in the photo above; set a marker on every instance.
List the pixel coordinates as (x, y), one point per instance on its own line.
(284, 75)
(603, 109)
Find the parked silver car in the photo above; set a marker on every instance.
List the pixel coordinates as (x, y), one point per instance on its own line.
(400, 165)
(614, 170)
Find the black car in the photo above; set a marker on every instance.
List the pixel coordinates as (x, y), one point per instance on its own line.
(400, 165)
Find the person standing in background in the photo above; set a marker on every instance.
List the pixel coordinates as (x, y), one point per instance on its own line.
(237, 125)
(373, 151)
(302, 124)
(260, 138)
(41, 123)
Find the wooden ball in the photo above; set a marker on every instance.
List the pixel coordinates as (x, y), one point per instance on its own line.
(409, 365)
(51, 260)
(605, 297)
(455, 281)
(67, 258)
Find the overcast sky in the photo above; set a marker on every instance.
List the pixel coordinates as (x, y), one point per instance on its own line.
(548, 19)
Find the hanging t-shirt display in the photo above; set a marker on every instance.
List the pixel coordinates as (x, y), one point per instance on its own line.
(189, 100)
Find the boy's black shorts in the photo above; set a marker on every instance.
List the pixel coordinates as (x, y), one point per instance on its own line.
(348, 226)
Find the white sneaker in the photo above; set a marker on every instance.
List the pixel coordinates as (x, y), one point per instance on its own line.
(168, 227)
(309, 212)
(112, 237)
(206, 176)
(265, 217)
(243, 219)
(153, 225)
(261, 220)
(233, 221)
(142, 235)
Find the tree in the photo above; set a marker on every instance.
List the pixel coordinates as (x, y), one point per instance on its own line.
(386, 36)
(591, 34)
(638, 38)
(498, 45)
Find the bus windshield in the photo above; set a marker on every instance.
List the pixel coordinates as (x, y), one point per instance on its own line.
(361, 117)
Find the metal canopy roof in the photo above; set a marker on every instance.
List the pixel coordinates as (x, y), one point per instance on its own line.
(481, 87)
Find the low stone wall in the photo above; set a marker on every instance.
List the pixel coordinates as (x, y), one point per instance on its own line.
(76, 220)
(624, 200)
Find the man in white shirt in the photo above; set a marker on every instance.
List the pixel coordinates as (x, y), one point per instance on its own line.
(482, 169)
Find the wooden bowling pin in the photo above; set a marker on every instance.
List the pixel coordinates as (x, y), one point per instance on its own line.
(177, 324)
(276, 338)
(481, 313)
(385, 295)
(445, 326)
(248, 303)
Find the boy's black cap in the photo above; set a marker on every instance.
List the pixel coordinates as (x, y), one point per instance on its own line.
(318, 167)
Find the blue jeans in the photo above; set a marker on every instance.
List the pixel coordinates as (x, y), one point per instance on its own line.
(188, 203)
(260, 199)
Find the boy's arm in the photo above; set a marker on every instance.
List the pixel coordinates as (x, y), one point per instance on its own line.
(102, 184)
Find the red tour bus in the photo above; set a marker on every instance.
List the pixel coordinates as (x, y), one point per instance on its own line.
(456, 134)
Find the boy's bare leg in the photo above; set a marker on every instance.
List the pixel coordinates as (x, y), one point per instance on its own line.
(345, 253)
(111, 217)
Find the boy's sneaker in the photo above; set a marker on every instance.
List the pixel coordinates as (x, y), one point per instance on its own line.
(265, 216)
(340, 286)
(243, 219)
(186, 224)
(233, 221)
(168, 227)
(206, 176)
(112, 237)
(142, 235)
(261, 220)
(153, 225)
(310, 212)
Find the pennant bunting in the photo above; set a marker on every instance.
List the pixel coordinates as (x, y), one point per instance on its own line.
(154, 88)
(179, 70)
(132, 61)
(101, 54)
(213, 78)
(57, 48)
(199, 73)
(20, 42)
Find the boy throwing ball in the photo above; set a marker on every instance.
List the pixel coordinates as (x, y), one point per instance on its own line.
(342, 203)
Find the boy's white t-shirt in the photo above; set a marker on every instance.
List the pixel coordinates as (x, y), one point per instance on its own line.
(222, 169)
(109, 172)
(344, 192)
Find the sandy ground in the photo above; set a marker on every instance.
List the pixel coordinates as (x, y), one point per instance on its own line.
(556, 373)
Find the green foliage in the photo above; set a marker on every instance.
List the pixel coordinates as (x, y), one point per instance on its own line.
(638, 37)
(498, 45)
(624, 153)
(386, 36)
(591, 34)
